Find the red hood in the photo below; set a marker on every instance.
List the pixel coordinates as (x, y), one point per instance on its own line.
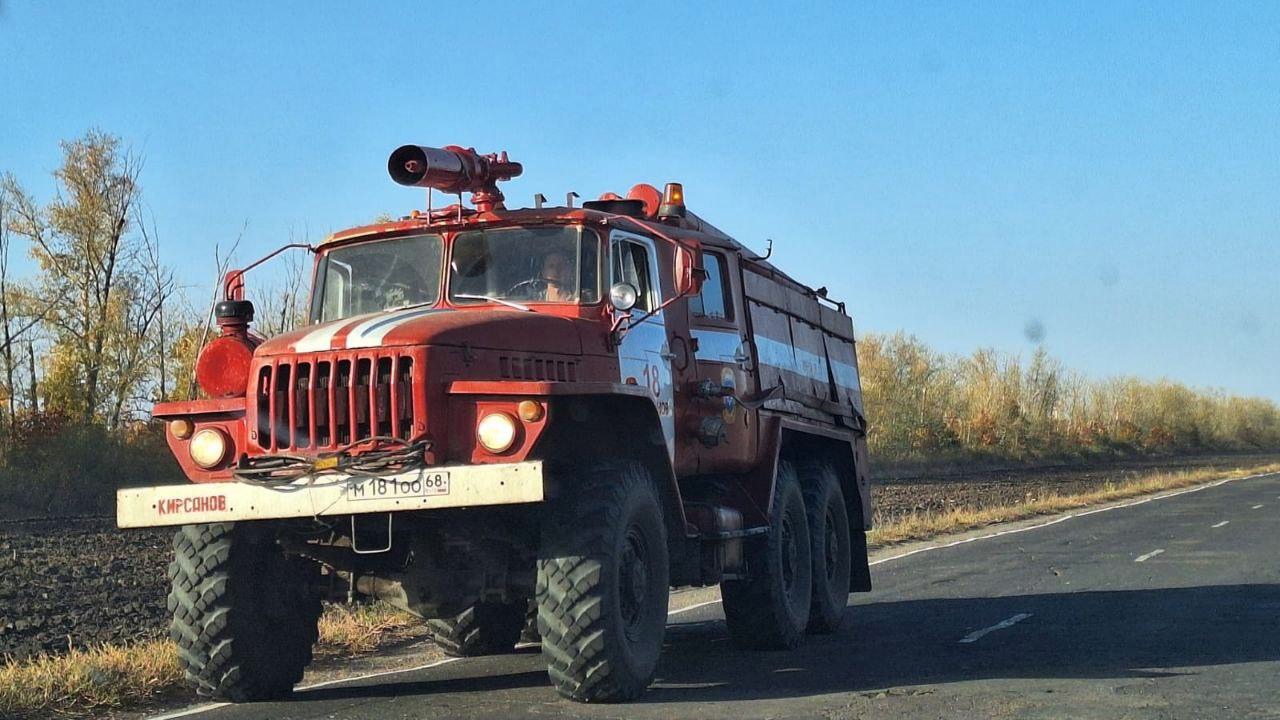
(489, 328)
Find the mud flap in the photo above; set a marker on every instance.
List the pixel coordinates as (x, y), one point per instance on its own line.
(860, 572)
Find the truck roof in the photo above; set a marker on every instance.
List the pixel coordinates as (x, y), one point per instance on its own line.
(693, 228)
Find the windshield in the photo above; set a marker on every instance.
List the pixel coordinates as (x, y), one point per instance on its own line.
(526, 265)
(374, 276)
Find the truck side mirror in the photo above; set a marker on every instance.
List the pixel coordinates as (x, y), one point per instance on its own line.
(689, 275)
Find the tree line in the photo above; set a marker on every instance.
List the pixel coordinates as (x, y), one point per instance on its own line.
(924, 405)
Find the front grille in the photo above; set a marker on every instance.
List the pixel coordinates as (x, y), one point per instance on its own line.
(326, 403)
(533, 368)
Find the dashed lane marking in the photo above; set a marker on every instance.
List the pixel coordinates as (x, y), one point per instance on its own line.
(978, 634)
(1255, 507)
(1148, 556)
(1224, 522)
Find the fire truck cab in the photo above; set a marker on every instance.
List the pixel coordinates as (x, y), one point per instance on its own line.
(505, 421)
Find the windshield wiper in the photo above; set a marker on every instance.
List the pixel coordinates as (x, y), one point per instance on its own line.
(498, 300)
(406, 306)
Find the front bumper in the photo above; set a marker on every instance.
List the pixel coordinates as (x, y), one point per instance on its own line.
(331, 494)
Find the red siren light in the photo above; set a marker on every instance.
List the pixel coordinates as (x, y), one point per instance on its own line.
(649, 196)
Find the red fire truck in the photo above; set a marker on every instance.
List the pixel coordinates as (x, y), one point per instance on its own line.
(492, 413)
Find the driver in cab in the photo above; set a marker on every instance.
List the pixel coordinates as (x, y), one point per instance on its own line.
(558, 273)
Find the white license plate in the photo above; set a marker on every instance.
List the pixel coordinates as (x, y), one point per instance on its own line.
(427, 483)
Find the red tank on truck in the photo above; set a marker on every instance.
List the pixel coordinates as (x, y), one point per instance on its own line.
(517, 423)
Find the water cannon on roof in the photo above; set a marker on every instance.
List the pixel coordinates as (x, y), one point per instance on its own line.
(454, 170)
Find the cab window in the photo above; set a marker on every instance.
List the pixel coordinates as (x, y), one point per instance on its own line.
(374, 276)
(554, 264)
(631, 265)
(712, 301)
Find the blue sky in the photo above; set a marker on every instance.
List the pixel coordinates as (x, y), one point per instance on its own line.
(1110, 170)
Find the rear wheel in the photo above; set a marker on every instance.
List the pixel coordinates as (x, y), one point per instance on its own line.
(486, 628)
(770, 609)
(244, 614)
(829, 545)
(603, 584)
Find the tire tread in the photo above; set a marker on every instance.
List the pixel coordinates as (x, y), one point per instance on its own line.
(581, 662)
(228, 648)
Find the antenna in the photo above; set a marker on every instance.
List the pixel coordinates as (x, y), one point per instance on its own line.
(538, 200)
(568, 199)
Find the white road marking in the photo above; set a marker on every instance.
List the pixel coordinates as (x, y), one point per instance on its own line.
(977, 634)
(1224, 522)
(214, 706)
(1148, 556)
(1255, 507)
(189, 711)
(695, 606)
(327, 683)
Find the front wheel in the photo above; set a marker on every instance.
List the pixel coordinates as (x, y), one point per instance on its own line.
(603, 584)
(770, 609)
(244, 614)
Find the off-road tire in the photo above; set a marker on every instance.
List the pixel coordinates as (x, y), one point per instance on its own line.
(770, 609)
(486, 628)
(830, 546)
(244, 615)
(602, 587)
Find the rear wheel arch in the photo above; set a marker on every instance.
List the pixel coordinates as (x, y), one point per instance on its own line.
(798, 445)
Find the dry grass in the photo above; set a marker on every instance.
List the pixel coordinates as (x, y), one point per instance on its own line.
(349, 631)
(922, 525)
(85, 681)
(90, 681)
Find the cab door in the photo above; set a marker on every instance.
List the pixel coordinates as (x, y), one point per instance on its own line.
(724, 430)
(644, 356)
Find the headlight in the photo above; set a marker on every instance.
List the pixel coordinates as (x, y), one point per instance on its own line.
(496, 432)
(209, 448)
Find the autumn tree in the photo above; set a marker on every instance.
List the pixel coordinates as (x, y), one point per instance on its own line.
(96, 277)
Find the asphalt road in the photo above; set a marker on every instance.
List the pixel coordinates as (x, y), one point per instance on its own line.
(1163, 609)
